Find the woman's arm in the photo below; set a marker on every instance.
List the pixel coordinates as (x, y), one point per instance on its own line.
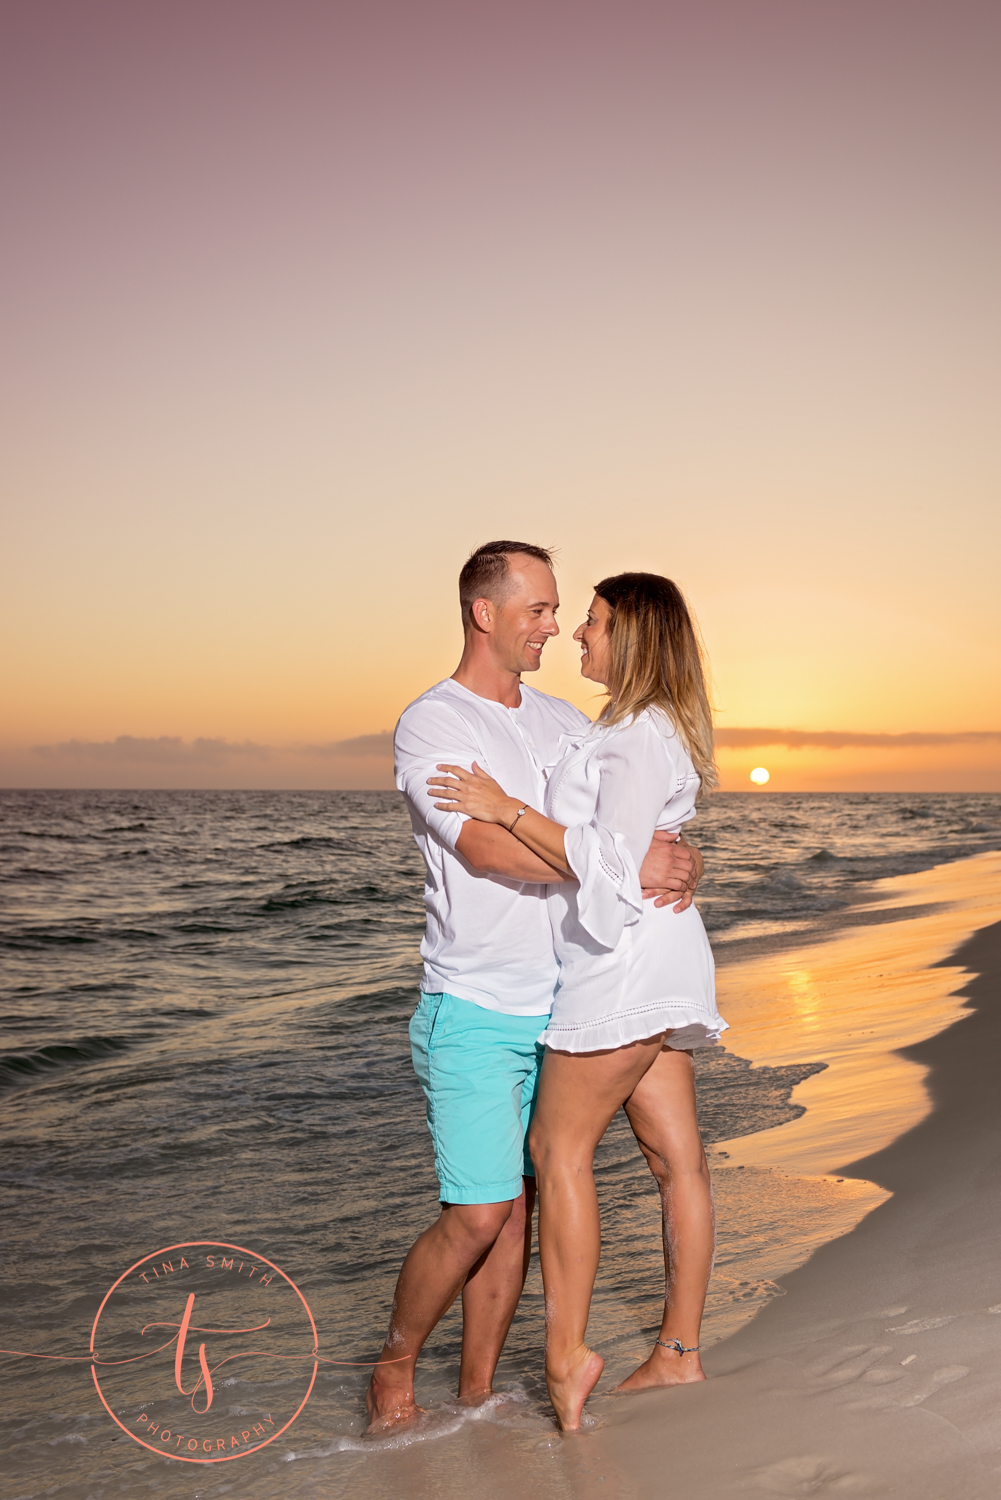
(480, 797)
(543, 837)
(635, 780)
(491, 850)
(671, 868)
(634, 784)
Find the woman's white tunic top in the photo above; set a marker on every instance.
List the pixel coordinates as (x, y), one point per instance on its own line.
(628, 970)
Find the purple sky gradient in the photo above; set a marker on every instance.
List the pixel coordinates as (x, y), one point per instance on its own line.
(303, 300)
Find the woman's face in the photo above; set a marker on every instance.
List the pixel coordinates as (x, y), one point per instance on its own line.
(593, 638)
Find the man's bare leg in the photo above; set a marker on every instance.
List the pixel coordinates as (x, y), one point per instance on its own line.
(431, 1278)
(490, 1298)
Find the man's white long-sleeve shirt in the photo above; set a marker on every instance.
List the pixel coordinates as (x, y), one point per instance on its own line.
(488, 939)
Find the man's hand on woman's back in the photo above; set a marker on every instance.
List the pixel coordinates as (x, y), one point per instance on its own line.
(671, 870)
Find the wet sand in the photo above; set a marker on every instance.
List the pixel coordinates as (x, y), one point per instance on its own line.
(878, 1372)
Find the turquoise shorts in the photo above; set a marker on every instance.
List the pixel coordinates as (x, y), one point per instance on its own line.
(479, 1070)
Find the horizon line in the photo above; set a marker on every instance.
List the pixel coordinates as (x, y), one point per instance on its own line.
(174, 750)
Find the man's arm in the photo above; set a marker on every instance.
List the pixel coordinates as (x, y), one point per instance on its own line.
(491, 850)
(671, 870)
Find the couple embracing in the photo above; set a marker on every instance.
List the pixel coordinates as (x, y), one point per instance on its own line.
(566, 971)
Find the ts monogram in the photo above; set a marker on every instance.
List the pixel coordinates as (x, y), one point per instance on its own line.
(252, 1323)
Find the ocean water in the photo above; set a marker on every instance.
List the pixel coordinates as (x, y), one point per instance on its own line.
(204, 1002)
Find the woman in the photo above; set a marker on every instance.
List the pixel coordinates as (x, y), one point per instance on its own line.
(636, 991)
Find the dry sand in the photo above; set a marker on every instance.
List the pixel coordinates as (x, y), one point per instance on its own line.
(878, 1372)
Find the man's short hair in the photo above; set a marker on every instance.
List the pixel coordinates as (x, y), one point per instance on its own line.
(486, 574)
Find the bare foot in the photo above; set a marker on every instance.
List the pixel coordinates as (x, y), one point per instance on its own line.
(390, 1408)
(475, 1398)
(570, 1390)
(664, 1367)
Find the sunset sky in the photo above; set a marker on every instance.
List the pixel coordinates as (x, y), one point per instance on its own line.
(302, 300)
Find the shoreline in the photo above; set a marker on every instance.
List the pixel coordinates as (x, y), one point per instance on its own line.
(867, 903)
(852, 1003)
(839, 1008)
(877, 1371)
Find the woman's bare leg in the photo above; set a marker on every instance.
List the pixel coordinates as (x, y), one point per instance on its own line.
(661, 1111)
(578, 1095)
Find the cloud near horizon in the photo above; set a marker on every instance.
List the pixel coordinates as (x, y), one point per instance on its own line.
(173, 751)
(837, 739)
(168, 761)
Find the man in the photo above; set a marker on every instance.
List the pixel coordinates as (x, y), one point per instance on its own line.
(489, 969)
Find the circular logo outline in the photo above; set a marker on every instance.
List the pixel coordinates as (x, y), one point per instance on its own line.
(196, 1245)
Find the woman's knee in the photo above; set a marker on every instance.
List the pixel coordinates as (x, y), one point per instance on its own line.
(553, 1163)
(544, 1149)
(677, 1163)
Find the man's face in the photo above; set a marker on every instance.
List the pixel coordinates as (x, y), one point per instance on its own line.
(526, 618)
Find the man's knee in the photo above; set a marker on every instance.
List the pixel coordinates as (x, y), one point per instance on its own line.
(521, 1208)
(478, 1223)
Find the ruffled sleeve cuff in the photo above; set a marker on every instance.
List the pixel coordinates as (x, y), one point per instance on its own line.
(609, 897)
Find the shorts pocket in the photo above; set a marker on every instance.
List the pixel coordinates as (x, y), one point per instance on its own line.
(427, 1022)
(437, 1023)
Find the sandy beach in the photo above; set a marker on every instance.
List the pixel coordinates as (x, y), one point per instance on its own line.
(877, 1371)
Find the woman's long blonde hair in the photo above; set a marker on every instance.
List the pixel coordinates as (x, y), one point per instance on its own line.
(658, 661)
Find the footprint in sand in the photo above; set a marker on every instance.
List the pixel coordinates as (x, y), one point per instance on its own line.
(882, 1376)
(922, 1325)
(807, 1476)
(945, 1376)
(848, 1364)
(928, 1386)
